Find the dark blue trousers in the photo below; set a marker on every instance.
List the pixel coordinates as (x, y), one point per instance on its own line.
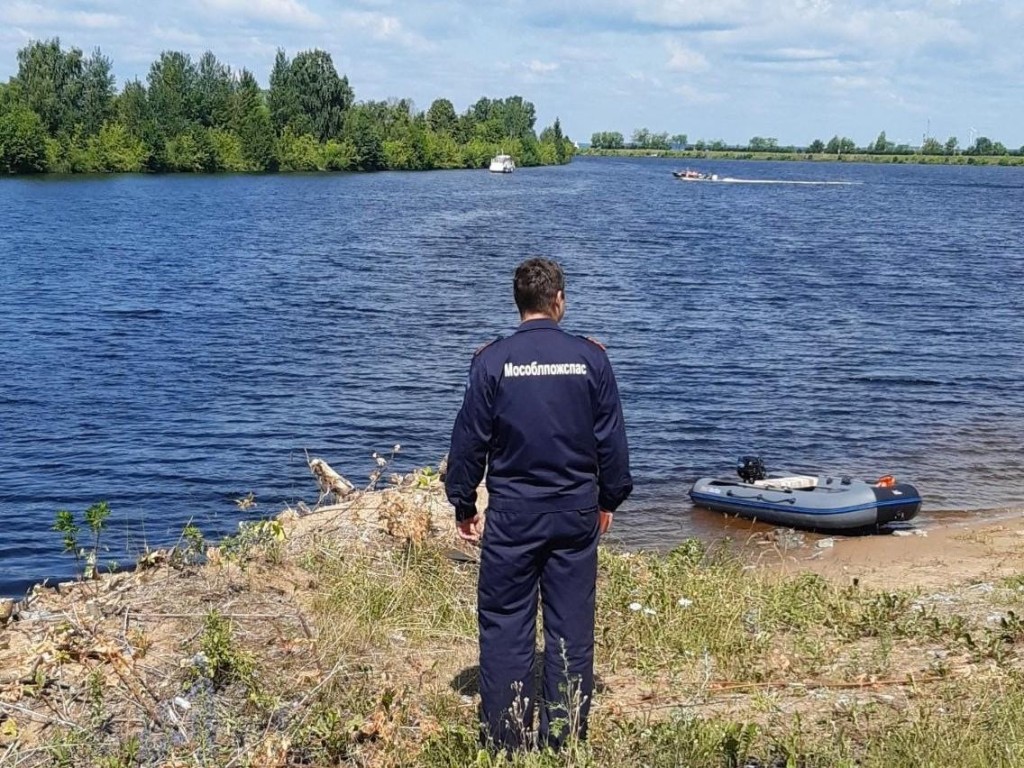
(524, 553)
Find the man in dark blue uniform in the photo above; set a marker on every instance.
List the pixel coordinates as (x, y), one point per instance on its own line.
(542, 415)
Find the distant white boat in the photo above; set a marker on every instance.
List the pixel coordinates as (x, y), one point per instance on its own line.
(502, 164)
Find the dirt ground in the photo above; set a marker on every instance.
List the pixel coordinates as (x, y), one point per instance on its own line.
(137, 630)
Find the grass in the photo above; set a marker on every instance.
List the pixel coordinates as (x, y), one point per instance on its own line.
(701, 661)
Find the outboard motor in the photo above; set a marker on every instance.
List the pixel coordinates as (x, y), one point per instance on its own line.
(751, 468)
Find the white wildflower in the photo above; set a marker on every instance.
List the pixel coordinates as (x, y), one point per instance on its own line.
(635, 607)
(684, 602)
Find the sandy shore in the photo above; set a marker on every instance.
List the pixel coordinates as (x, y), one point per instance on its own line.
(962, 551)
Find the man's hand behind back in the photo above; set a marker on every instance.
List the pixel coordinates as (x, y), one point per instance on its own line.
(605, 522)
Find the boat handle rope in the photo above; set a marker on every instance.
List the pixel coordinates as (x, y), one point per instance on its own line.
(760, 497)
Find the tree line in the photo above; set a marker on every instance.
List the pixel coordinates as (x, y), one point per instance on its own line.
(62, 113)
(838, 145)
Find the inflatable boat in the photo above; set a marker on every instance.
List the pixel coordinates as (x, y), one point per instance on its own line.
(817, 502)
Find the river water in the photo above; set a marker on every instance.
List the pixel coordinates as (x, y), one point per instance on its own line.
(170, 344)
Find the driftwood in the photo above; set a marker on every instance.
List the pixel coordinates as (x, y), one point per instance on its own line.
(329, 481)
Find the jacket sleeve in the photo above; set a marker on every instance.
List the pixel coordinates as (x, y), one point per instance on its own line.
(614, 480)
(470, 445)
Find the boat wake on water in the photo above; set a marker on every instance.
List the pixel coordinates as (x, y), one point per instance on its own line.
(691, 175)
(730, 180)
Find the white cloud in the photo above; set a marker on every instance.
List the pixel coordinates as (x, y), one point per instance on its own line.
(804, 54)
(541, 68)
(176, 36)
(693, 95)
(855, 83)
(285, 12)
(683, 59)
(383, 28)
(25, 14)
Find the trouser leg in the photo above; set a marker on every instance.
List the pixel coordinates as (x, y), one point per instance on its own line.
(568, 590)
(507, 615)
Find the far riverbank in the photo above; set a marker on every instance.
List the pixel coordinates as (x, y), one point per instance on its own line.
(816, 157)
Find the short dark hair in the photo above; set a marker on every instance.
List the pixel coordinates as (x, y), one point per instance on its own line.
(537, 283)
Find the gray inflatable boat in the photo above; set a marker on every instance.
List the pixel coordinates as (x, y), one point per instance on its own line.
(817, 502)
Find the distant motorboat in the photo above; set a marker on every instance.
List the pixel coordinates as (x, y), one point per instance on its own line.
(689, 175)
(502, 164)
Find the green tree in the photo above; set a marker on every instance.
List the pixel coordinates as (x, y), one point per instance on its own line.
(98, 91)
(250, 120)
(882, 145)
(837, 145)
(365, 135)
(192, 151)
(22, 140)
(932, 146)
(298, 151)
(131, 109)
(228, 153)
(50, 82)
(443, 151)
(982, 146)
(282, 98)
(114, 150)
(215, 88)
(441, 117)
(338, 155)
(308, 94)
(658, 141)
(678, 141)
(173, 93)
(517, 117)
(952, 143)
(607, 140)
(481, 110)
(559, 138)
(762, 144)
(557, 142)
(641, 138)
(817, 146)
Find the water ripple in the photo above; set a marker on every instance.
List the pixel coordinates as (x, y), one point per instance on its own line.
(170, 344)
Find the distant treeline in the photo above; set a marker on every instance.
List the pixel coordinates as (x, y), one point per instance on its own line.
(642, 138)
(61, 113)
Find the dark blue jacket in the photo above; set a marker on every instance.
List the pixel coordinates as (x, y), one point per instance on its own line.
(542, 415)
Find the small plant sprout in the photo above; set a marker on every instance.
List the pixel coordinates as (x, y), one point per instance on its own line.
(191, 546)
(95, 518)
(65, 524)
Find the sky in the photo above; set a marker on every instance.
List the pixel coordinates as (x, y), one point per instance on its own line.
(730, 70)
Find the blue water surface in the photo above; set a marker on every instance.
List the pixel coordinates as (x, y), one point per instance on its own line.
(170, 344)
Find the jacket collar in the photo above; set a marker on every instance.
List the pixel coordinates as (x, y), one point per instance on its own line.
(533, 325)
